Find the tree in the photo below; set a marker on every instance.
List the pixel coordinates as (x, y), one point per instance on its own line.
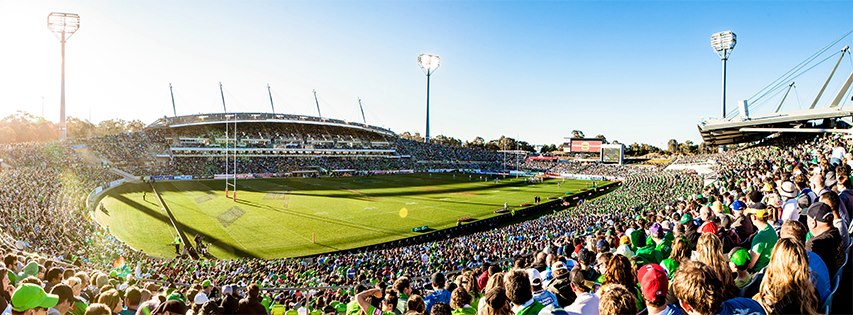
(672, 146)
(577, 134)
(134, 126)
(477, 142)
(445, 140)
(27, 128)
(79, 129)
(603, 138)
(414, 137)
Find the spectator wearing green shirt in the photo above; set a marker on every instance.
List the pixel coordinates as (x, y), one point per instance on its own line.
(460, 302)
(404, 289)
(364, 302)
(764, 239)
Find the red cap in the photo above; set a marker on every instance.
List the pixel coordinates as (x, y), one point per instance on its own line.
(653, 282)
(708, 227)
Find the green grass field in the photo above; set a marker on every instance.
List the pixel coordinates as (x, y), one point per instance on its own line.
(275, 218)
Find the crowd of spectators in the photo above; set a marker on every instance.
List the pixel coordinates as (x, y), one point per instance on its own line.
(771, 235)
(175, 151)
(586, 168)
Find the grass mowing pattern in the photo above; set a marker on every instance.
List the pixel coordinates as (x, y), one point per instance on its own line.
(275, 218)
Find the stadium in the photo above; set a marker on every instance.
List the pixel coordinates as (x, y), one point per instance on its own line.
(285, 213)
(347, 183)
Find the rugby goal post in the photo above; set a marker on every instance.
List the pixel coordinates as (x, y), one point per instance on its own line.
(231, 154)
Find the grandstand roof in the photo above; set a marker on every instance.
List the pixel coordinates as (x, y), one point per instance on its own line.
(221, 118)
(740, 129)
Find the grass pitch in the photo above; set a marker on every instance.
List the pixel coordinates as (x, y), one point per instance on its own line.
(291, 217)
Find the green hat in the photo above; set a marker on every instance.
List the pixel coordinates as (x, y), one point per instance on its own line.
(13, 278)
(205, 284)
(176, 296)
(686, 218)
(29, 296)
(31, 269)
(670, 265)
(740, 257)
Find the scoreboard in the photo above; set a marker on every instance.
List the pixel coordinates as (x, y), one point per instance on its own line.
(585, 145)
(612, 153)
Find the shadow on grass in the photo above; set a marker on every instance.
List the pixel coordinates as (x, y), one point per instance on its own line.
(214, 241)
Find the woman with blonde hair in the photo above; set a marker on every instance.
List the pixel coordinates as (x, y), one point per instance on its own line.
(786, 288)
(495, 303)
(620, 271)
(469, 283)
(98, 309)
(680, 253)
(496, 281)
(709, 250)
(112, 299)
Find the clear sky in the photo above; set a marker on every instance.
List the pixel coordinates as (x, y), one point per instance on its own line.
(634, 71)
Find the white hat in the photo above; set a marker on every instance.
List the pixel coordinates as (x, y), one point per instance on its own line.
(200, 298)
(534, 276)
(228, 289)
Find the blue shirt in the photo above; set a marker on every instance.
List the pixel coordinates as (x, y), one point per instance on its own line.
(741, 306)
(819, 274)
(437, 296)
(546, 298)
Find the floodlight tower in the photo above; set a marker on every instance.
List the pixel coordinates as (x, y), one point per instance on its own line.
(429, 63)
(63, 25)
(723, 43)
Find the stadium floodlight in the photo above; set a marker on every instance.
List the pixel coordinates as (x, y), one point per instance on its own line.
(63, 25)
(429, 63)
(723, 43)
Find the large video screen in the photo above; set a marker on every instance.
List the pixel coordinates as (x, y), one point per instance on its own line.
(586, 145)
(610, 155)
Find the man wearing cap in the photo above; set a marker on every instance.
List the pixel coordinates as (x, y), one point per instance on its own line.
(204, 295)
(826, 241)
(654, 286)
(764, 240)
(30, 299)
(690, 229)
(561, 286)
(661, 239)
(739, 263)
(539, 294)
(741, 224)
(790, 207)
(587, 301)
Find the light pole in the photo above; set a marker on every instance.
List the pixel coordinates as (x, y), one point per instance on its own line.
(63, 25)
(723, 43)
(429, 63)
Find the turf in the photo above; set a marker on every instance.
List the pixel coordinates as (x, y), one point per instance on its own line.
(292, 217)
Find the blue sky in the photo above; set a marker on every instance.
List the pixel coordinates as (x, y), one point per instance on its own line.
(633, 71)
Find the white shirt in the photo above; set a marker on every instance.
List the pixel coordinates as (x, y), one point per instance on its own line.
(838, 152)
(585, 304)
(790, 210)
(516, 308)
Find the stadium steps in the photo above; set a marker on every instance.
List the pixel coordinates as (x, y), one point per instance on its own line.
(89, 156)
